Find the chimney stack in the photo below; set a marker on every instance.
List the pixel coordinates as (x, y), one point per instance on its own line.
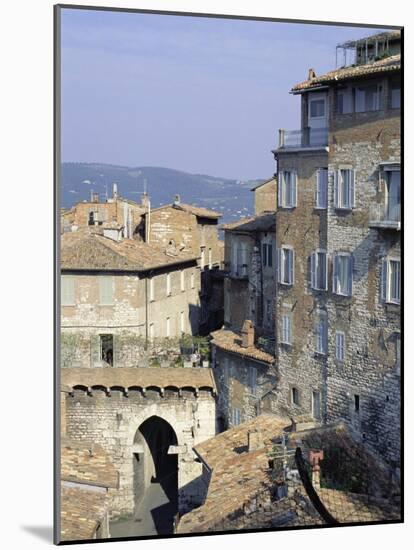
(254, 440)
(311, 74)
(247, 334)
(115, 191)
(177, 200)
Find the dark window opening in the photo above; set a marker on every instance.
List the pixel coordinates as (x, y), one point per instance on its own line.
(91, 220)
(107, 348)
(295, 396)
(356, 403)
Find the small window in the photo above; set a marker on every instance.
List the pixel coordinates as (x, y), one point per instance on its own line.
(168, 284)
(151, 290)
(107, 348)
(342, 274)
(67, 290)
(316, 405)
(286, 266)
(317, 108)
(168, 327)
(295, 396)
(344, 189)
(106, 291)
(344, 101)
(182, 280)
(267, 254)
(368, 98)
(286, 336)
(236, 417)
(322, 188)
(356, 403)
(340, 346)
(253, 380)
(287, 192)
(391, 280)
(321, 333)
(319, 270)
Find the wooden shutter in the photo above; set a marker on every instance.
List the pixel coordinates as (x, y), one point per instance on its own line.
(281, 183)
(313, 262)
(350, 274)
(384, 279)
(335, 274)
(291, 262)
(326, 271)
(293, 189)
(279, 269)
(324, 188)
(352, 188)
(336, 188)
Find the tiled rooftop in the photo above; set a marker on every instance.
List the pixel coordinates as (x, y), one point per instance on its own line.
(388, 64)
(81, 513)
(198, 211)
(85, 250)
(263, 222)
(143, 377)
(229, 340)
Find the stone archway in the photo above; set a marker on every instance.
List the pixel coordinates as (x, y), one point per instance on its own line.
(155, 472)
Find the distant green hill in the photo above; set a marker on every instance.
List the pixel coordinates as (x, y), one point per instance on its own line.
(230, 197)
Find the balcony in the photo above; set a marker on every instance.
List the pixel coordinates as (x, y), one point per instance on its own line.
(384, 216)
(303, 139)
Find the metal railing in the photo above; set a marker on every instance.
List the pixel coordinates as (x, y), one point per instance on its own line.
(307, 137)
(384, 215)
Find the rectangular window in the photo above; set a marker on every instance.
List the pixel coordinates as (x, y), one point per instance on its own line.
(286, 337)
(107, 348)
(67, 291)
(295, 396)
(322, 188)
(368, 98)
(356, 403)
(395, 96)
(391, 280)
(236, 417)
(286, 266)
(317, 108)
(182, 280)
(342, 274)
(168, 327)
(106, 291)
(344, 101)
(267, 254)
(168, 284)
(151, 290)
(340, 346)
(393, 195)
(344, 189)
(321, 333)
(253, 380)
(316, 405)
(319, 270)
(287, 192)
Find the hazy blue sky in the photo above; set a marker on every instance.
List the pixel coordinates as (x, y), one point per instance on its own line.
(196, 94)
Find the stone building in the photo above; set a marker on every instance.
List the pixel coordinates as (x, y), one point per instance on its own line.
(243, 351)
(265, 196)
(338, 240)
(147, 421)
(123, 302)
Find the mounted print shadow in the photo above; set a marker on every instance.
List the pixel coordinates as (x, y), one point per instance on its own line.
(229, 277)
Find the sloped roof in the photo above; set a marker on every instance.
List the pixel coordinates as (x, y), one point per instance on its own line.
(198, 211)
(127, 377)
(81, 513)
(230, 340)
(388, 64)
(270, 180)
(262, 222)
(87, 462)
(85, 250)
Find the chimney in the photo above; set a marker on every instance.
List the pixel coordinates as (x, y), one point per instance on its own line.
(247, 334)
(254, 440)
(315, 455)
(115, 191)
(311, 74)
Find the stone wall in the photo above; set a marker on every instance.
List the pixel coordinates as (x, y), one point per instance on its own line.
(113, 420)
(265, 197)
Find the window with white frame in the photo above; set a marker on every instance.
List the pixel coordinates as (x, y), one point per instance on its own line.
(151, 290)
(286, 336)
(67, 290)
(342, 274)
(168, 284)
(316, 404)
(267, 254)
(319, 270)
(340, 346)
(344, 189)
(322, 188)
(182, 280)
(368, 98)
(286, 265)
(391, 280)
(235, 417)
(321, 333)
(106, 290)
(287, 190)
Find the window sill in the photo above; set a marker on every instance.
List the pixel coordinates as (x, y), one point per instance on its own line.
(320, 207)
(320, 354)
(281, 207)
(319, 289)
(285, 284)
(342, 295)
(345, 209)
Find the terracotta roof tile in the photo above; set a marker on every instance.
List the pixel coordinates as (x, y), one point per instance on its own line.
(231, 341)
(81, 513)
(263, 222)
